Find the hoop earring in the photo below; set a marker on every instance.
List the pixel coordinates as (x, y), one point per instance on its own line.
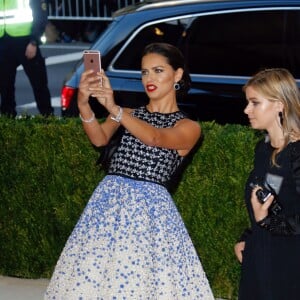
(176, 86)
(280, 117)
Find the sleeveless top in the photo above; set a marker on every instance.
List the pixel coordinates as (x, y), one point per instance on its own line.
(136, 160)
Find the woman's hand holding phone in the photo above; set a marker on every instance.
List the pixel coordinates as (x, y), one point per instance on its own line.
(103, 91)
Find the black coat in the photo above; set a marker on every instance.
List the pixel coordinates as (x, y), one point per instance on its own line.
(271, 258)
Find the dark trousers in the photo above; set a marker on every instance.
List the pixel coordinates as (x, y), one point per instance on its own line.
(12, 54)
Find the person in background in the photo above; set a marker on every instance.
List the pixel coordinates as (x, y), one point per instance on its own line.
(22, 24)
(269, 251)
(130, 242)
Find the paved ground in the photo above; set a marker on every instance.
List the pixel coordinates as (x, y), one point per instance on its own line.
(22, 289)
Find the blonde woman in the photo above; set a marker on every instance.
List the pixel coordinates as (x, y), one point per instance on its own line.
(270, 251)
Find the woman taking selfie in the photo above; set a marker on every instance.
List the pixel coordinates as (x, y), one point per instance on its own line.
(130, 242)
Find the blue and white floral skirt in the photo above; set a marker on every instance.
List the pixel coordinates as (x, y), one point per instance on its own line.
(129, 243)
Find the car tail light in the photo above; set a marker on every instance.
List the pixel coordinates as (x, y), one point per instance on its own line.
(67, 95)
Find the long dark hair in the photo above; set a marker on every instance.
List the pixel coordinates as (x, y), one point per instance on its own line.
(175, 59)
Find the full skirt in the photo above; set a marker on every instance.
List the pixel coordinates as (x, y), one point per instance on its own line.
(129, 243)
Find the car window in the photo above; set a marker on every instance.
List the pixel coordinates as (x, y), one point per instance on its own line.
(236, 43)
(169, 32)
(292, 32)
(242, 43)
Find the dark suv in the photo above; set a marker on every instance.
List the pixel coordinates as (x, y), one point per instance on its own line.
(224, 43)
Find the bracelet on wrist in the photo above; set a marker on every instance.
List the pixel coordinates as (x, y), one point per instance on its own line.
(118, 117)
(90, 120)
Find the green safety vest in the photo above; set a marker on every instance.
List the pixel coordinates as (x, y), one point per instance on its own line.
(15, 18)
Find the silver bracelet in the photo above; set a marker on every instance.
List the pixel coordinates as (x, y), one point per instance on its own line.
(90, 120)
(118, 117)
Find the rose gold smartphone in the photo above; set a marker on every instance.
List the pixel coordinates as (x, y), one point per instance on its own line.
(92, 60)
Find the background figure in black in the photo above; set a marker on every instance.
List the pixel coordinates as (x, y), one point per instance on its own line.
(19, 45)
(270, 251)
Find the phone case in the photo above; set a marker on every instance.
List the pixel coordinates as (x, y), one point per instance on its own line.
(92, 60)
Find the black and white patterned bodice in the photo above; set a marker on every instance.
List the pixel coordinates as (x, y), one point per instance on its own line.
(136, 160)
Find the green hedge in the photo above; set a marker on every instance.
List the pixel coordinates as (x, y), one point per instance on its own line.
(48, 172)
